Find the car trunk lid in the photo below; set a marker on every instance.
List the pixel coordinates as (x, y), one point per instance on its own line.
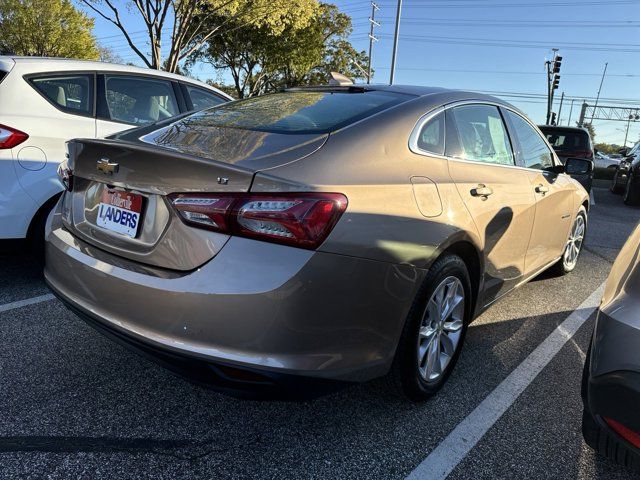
(118, 199)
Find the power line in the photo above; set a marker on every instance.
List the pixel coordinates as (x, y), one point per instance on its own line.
(506, 72)
(515, 5)
(485, 42)
(445, 22)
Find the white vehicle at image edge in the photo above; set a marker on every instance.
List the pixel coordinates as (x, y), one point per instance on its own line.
(44, 102)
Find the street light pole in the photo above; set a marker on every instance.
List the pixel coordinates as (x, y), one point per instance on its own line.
(560, 109)
(395, 43)
(599, 89)
(570, 112)
(548, 65)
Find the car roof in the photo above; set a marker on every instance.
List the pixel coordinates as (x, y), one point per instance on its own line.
(438, 94)
(563, 127)
(53, 64)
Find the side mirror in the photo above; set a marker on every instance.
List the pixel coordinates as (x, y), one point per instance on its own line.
(578, 166)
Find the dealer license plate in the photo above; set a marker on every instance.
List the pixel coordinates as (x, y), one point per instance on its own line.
(120, 212)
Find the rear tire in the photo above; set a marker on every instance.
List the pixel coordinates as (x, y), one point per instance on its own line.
(631, 195)
(607, 444)
(410, 375)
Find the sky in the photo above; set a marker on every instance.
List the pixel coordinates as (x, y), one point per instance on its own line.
(492, 46)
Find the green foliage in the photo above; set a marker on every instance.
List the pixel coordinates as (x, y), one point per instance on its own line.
(302, 52)
(47, 28)
(607, 148)
(188, 24)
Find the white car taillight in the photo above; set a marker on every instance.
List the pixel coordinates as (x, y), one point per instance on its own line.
(10, 137)
(65, 176)
(298, 219)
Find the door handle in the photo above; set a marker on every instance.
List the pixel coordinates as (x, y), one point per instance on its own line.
(542, 189)
(481, 191)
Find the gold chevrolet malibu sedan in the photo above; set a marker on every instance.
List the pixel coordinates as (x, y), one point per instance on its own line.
(288, 244)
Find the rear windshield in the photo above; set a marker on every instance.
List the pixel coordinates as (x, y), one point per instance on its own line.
(299, 111)
(561, 139)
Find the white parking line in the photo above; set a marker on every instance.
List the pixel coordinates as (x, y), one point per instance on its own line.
(592, 197)
(23, 303)
(453, 449)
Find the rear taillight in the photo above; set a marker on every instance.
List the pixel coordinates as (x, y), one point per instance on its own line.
(299, 219)
(65, 176)
(10, 137)
(629, 435)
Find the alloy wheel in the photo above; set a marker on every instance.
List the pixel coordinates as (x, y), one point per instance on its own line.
(441, 329)
(574, 243)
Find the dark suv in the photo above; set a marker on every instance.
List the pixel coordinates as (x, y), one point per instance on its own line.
(571, 142)
(626, 180)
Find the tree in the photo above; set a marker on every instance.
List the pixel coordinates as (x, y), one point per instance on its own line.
(189, 24)
(106, 54)
(47, 28)
(590, 129)
(607, 148)
(261, 61)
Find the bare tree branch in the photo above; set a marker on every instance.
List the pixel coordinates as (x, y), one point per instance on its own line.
(120, 26)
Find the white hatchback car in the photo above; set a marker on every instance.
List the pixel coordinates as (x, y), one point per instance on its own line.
(44, 102)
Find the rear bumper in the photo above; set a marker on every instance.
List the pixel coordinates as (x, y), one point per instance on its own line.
(240, 382)
(265, 308)
(611, 384)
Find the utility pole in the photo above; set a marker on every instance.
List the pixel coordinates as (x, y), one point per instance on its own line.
(372, 37)
(583, 114)
(395, 43)
(553, 80)
(599, 89)
(570, 112)
(560, 109)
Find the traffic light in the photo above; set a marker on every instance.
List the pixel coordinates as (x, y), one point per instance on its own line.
(557, 62)
(553, 118)
(556, 82)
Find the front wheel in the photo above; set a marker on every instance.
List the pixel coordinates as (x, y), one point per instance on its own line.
(573, 247)
(434, 331)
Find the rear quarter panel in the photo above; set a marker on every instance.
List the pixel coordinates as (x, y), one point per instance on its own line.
(371, 163)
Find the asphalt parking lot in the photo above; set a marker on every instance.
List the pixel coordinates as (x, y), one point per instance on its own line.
(75, 405)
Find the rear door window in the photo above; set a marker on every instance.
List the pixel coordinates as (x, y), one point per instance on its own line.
(201, 98)
(481, 135)
(567, 140)
(72, 93)
(2, 75)
(532, 151)
(139, 100)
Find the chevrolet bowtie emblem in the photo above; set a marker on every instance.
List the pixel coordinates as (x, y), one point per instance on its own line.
(107, 167)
